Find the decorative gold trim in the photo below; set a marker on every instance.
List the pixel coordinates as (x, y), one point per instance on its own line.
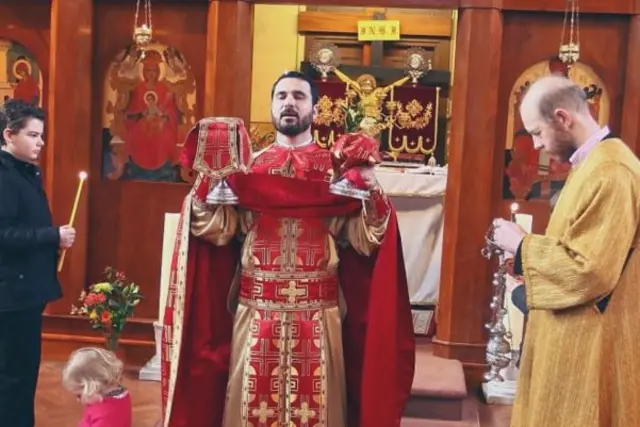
(323, 368)
(286, 364)
(180, 275)
(260, 304)
(246, 370)
(268, 276)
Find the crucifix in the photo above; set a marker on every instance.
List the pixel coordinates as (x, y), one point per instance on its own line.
(376, 48)
(332, 27)
(320, 24)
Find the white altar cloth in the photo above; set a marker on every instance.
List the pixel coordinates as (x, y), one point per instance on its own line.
(419, 203)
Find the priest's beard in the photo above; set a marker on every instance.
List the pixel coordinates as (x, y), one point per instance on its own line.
(292, 125)
(563, 146)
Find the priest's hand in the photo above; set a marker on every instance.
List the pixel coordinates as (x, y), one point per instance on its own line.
(354, 150)
(507, 235)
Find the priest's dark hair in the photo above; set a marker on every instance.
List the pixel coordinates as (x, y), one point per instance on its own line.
(298, 75)
(15, 114)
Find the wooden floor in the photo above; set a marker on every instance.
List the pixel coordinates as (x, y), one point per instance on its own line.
(54, 407)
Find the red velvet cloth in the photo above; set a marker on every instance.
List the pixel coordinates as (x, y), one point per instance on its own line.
(378, 339)
(328, 124)
(206, 347)
(415, 131)
(280, 196)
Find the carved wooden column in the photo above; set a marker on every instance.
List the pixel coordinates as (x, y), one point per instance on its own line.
(630, 132)
(69, 133)
(465, 285)
(229, 53)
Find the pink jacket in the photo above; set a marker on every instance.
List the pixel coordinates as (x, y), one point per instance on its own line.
(111, 412)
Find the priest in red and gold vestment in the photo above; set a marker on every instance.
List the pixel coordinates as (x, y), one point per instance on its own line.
(289, 308)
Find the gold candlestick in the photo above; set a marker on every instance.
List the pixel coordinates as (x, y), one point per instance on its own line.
(82, 178)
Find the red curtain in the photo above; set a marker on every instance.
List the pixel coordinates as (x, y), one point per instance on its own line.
(329, 122)
(415, 111)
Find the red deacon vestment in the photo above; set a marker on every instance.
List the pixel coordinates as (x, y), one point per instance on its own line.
(255, 332)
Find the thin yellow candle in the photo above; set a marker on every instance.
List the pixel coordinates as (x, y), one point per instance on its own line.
(82, 178)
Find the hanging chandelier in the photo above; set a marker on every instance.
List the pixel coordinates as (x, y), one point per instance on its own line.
(142, 31)
(569, 51)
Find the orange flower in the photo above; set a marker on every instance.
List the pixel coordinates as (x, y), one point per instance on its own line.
(105, 318)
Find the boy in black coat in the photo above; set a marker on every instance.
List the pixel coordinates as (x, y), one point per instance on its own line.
(29, 245)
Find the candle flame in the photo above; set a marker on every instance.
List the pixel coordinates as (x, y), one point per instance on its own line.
(82, 175)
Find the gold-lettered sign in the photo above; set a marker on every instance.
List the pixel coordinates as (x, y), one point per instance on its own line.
(381, 30)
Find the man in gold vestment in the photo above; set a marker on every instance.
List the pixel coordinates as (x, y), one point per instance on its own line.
(314, 281)
(582, 349)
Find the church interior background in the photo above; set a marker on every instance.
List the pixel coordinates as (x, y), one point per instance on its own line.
(439, 87)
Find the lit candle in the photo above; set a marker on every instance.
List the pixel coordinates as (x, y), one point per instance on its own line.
(82, 177)
(514, 210)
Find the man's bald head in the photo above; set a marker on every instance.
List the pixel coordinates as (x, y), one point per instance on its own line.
(556, 114)
(549, 94)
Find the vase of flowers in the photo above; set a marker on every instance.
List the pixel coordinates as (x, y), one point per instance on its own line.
(109, 304)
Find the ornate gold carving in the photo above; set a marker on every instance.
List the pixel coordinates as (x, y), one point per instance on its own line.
(262, 135)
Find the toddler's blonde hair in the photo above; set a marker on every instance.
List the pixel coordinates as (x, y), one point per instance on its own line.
(90, 373)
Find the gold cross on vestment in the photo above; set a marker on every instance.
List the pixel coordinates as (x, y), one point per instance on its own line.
(262, 413)
(293, 291)
(305, 413)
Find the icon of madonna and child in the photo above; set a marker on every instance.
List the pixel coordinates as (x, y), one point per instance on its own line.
(148, 109)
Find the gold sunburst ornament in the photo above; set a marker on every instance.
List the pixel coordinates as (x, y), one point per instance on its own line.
(416, 64)
(324, 58)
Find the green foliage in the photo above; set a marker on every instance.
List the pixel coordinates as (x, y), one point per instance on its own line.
(109, 304)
